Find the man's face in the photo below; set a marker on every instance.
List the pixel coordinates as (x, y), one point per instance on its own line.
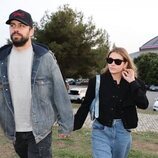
(20, 33)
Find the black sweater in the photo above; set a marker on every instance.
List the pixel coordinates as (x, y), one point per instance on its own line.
(115, 101)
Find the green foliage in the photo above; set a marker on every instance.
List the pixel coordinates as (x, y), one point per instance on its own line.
(148, 67)
(78, 46)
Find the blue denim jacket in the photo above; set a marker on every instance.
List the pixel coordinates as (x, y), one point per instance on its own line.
(50, 101)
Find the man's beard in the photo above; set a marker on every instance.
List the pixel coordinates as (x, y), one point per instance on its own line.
(20, 42)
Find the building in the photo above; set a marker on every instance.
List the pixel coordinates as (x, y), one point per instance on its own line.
(150, 46)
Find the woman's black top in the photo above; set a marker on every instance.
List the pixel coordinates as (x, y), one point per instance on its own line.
(116, 101)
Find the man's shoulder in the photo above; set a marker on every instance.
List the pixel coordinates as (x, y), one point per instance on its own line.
(5, 47)
(40, 49)
(41, 45)
(5, 50)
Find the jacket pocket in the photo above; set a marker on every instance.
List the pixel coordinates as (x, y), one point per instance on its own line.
(43, 87)
(40, 81)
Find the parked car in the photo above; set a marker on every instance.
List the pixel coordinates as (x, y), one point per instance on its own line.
(71, 81)
(82, 82)
(153, 88)
(155, 105)
(77, 94)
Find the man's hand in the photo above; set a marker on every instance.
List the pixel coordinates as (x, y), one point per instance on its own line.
(63, 136)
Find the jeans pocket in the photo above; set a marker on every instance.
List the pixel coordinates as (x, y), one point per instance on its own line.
(97, 125)
(128, 130)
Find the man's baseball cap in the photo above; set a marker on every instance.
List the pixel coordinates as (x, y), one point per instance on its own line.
(22, 16)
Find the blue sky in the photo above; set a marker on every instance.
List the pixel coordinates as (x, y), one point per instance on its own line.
(129, 23)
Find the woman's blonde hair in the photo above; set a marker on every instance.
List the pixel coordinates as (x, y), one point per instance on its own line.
(125, 56)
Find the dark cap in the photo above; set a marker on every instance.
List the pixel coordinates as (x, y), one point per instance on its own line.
(22, 16)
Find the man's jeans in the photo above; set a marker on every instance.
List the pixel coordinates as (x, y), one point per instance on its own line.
(26, 147)
(110, 142)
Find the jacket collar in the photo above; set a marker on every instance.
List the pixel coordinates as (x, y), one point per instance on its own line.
(39, 50)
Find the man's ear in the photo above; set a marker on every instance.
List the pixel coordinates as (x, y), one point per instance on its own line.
(32, 30)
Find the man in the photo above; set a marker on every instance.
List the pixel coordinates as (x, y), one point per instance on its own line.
(32, 92)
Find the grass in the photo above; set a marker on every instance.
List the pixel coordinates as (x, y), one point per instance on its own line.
(145, 145)
(78, 145)
(148, 111)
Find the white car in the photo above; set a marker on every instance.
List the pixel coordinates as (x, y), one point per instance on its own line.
(77, 94)
(155, 105)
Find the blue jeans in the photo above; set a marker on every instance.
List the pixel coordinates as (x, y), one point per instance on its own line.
(26, 147)
(110, 142)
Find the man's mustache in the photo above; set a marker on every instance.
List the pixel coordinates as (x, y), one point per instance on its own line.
(16, 33)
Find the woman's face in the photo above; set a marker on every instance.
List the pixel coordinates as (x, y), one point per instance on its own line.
(116, 63)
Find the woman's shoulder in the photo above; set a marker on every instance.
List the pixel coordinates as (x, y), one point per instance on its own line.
(140, 81)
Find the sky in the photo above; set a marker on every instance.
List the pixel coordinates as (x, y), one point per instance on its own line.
(129, 23)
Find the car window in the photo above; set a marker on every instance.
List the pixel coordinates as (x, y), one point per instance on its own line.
(74, 92)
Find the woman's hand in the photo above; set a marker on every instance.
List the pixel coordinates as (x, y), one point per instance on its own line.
(128, 75)
(63, 136)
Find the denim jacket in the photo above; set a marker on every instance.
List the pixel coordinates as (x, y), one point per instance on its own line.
(50, 101)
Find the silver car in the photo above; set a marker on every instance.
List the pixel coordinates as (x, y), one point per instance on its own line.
(153, 88)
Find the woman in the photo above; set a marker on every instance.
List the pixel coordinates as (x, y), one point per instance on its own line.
(120, 93)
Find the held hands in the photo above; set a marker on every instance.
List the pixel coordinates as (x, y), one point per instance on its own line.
(128, 75)
(63, 136)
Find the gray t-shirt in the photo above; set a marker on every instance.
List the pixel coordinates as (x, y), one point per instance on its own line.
(19, 73)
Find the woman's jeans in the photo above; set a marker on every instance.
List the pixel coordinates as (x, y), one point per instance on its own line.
(26, 147)
(110, 142)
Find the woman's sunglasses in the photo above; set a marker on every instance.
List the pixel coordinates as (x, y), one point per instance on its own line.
(116, 61)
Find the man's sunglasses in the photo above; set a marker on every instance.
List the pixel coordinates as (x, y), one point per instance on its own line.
(117, 61)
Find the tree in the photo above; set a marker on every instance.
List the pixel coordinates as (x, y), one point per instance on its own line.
(79, 47)
(148, 67)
